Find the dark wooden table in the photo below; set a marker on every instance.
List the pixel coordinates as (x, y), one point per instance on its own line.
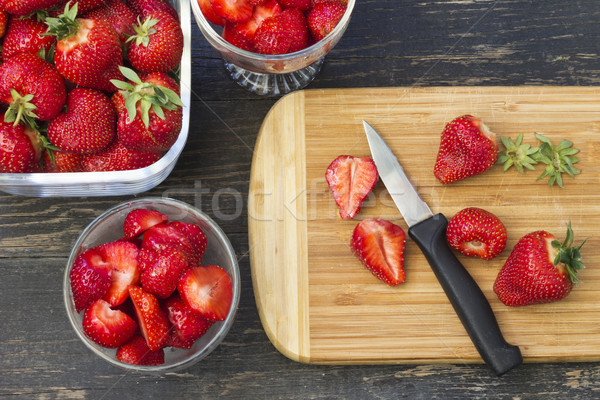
(388, 43)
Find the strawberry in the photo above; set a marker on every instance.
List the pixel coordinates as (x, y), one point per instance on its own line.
(232, 10)
(467, 148)
(62, 161)
(121, 257)
(150, 114)
(90, 278)
(88, 51)
(324, 17)
(379, 244)
(476, 233)
(85, 6)
(261, 12)
(275, 35)
(26, 7)
(26, 34)
(209, 13)
(4, 17)
(143, 7)
(302, 5)
(207, 290)
(161, 270)
(117, 157)
(107, 327)
(87, 126)
(161, 237)
(157, 44)
(137, 352)
(20, 148)
(234, 37)
(152, 320)
(33, 88)
(351, 179)
(118, 15)
(297, 28)
(187, 326)
(196, 236)
(140, 220)
(539, 270)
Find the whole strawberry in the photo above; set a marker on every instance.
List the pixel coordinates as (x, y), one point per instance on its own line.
(149, 111)
(477, 233)
(88, 51)
(87, 125)
(282, 33)
(157, 45)
(26, 34)
(143, 7)
(324, 17)
(26, 7)
(20, 148)
(62, 161)
(117, 157)
(32, 87)
(539, 270)
(467, 148)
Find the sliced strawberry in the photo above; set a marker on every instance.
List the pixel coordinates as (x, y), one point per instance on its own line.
(351, 179)
(162, 236)
(137, 352)
(272, 37)
(140, 220)
(324, 17)
(297, 28)
(107, 327)
(302, 5)
(161, 270)
(232, 10)
(152, 320)
(209, 13)
(207, 290)
(188, 326)
(196, 237)
(379, 244)
(122, 258)
(90, 278)
(260, 13)
(234, 37)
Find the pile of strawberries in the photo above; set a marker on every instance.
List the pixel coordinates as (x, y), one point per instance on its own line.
(274, 26)
(88, 85)
(149, 290)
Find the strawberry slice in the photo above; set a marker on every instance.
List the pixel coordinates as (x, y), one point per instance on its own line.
(196, 237)
(351, 179)
(161, 270)
(153, 322)
(107, 327)
(90, 278)
(140, 220)
(209, 13)
(232, 10)
(122, 258)
(231, 34)
(207, 290)
(187, 325)
(324, 17)
(379, 244)
(162, 236)
(137, 352)
(260, 13)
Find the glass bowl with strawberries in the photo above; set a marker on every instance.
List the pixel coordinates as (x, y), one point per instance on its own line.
(273, 47)
(152, 285)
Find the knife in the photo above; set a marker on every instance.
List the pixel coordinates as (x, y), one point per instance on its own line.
(429, 232)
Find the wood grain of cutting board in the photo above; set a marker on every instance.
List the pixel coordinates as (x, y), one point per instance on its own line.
(318, 304)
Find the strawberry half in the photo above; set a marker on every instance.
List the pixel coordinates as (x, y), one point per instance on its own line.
(151, 319)
(121, 256)
(379, 244)
(188, 326)
(161, 270)
(261, 12)
(107, 327)
(324, 17)
(196, 237)
(140, 220)
(351, 179)
(89, 278)
(232, 10)
(137, 352)
(207, 290)
(476, 233)
(161, 237)
(467, 148)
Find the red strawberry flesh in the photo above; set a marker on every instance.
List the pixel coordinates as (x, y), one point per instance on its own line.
(188, 326)
(151, 319)
(207, 290)
(122, 258)
(107, 327)
(140, 220)
(137, 352)
(90, 278)
(161, 270)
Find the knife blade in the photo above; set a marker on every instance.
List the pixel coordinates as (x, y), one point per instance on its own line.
(429, 232)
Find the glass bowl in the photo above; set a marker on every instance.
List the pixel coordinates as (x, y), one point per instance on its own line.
(272, 75)
(108, 226)
(115, 183)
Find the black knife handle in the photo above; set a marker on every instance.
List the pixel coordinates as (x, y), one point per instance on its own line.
(466, 297)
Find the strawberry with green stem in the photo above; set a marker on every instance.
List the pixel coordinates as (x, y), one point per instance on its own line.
(26, 34)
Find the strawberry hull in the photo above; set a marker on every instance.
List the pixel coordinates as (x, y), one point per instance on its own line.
(114, 183)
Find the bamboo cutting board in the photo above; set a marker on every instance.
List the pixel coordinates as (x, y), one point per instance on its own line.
(318, 304)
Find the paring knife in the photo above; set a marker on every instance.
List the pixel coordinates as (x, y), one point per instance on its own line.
(429, 232)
